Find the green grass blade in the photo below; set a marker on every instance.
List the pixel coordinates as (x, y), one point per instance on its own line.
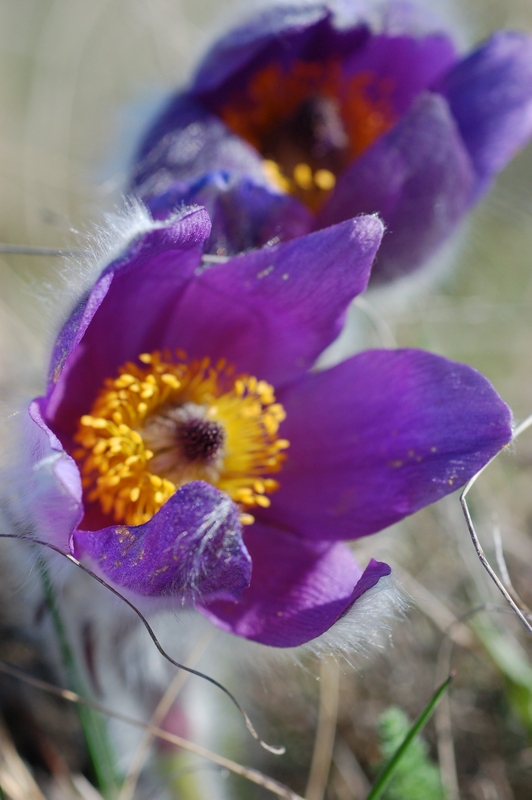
(99, 746)
(512, 661)
(388, 771)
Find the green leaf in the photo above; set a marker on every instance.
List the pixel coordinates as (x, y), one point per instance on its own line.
(396, 763)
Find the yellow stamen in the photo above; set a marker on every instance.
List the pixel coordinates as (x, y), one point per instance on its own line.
(310, 187)
(324, 179)
(266, 113)
(303, 176)
(275, 175)
(143, 437)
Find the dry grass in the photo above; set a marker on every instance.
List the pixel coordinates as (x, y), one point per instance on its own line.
(72, 78)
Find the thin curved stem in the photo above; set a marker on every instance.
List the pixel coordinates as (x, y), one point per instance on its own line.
(246, 772)
(151, 632)
(474, 538)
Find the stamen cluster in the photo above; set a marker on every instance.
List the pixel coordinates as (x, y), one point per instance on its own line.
(158, 426)
(309, 132)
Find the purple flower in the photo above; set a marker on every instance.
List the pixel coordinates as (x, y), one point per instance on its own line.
(302, 118)
(186, 450)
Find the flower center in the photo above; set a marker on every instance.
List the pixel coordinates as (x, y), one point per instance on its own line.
(165, 422)
(199, 439)
(309, 122)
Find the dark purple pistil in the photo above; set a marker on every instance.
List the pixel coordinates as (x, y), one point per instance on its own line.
(200, 439)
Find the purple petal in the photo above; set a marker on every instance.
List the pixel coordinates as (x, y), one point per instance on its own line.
(490, 96)
(244, 214)
(126, 307)
(191, 549)
(50, 504)
(418, 177)
(403, 65)
(281, 34)
(270, 312)
(188, 142)
(314, 33)
(379, 437)
(298, 589)
(185, 143)
(273, 311)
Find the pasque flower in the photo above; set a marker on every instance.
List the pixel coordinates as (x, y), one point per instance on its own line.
(308, 115)
(186, 449)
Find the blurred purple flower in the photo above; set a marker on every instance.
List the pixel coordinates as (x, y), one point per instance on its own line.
(302, 118)
(185, 449)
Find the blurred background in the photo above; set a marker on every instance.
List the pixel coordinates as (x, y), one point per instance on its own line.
(78, 81)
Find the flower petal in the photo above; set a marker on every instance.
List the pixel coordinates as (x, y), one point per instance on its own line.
(48, 504)
(400, 67)
(308, 28)
(191, 549)
(272, 312)
(186, 143)
(298, 589)
(321, 32)
(129, 303)
(490, 96)
(380, 436)
(418, 177)
(244, 215)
